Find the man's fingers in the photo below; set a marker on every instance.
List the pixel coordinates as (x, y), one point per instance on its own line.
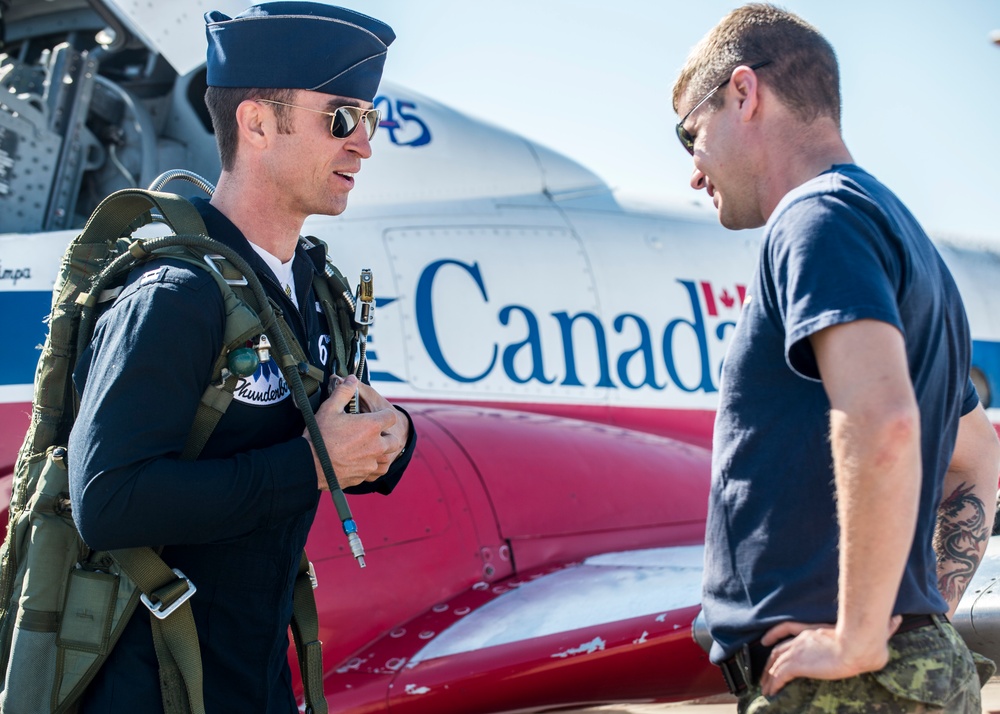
(371, 401)
(776, 672)
(344, 392)
(894, 622)
(785, 630)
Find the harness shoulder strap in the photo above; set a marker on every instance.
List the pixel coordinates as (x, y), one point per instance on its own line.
(124, 211)
(166, 593)
(334, 295)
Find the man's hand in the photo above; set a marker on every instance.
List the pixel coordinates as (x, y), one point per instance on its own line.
(818, 652)
(370, 402)
(361, 446)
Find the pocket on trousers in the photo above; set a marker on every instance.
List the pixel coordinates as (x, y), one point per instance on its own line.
(927, 665)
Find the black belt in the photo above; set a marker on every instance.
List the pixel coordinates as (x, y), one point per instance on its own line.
(913, 622)
(742, 671)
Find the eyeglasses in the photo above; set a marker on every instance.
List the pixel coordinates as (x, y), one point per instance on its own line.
(344, 120)
(687, 141)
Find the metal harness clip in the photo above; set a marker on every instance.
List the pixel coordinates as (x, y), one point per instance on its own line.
(159, 610)
(215, 261)
(364, 311)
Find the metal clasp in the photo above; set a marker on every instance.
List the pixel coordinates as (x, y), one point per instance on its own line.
(211, 261)
(159, 610)
(364, 311)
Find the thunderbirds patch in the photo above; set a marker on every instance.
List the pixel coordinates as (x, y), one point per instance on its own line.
(265, 387)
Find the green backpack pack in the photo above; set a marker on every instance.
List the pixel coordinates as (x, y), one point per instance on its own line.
(63, 606)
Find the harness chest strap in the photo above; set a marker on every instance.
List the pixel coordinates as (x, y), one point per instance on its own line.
(167, 593)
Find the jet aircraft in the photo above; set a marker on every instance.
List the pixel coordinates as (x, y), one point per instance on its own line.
(560, 354)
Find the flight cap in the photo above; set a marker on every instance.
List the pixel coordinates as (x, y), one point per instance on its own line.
(298, 45)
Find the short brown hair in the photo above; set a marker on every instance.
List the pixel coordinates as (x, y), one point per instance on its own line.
(802, 69)
(222, 103)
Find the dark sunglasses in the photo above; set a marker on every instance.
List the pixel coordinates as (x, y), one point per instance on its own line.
(345, 120)
(687, 141)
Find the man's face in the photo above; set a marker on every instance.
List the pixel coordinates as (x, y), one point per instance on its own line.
(722, 164)
(312, 168)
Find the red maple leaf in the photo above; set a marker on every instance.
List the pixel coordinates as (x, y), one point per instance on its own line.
(726, 299)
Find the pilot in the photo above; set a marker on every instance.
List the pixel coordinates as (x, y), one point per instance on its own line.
(291, 86)
(847, 425)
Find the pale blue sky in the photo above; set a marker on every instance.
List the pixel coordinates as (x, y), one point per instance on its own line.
(920, 81)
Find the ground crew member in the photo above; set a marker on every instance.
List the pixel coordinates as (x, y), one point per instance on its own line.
(847, 423)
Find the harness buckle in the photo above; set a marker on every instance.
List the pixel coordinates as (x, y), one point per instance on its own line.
(214, 262)
(160, 610)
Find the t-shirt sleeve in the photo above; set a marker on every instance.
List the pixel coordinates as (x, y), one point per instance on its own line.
(830, 264)
(971, 399)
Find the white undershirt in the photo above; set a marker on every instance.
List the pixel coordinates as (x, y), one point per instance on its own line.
(282, 271)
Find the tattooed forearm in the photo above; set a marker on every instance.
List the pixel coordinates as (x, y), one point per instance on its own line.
(959, 540)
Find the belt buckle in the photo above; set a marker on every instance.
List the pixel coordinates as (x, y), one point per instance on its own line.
(729, 675)
(736, 671)
(743, 661)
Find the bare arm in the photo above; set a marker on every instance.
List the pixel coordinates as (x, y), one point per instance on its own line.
(875, 442)
(965, 517)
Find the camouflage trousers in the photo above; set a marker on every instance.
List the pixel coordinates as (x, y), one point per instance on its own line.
(930, 670)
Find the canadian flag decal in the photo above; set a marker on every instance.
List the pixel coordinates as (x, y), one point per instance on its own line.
(725, 299)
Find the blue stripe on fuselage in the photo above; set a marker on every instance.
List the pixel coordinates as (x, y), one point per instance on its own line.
(24, 313)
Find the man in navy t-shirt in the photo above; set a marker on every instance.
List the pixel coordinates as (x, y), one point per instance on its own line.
(848, 426)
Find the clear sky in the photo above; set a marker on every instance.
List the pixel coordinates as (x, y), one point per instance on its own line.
(920, 83)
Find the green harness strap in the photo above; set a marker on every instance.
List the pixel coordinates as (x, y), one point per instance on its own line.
(242, 325)
(305, 634)
(339, 320)
(175, 637)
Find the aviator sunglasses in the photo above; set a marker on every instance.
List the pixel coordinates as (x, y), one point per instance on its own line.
(687, 141)
(344, 120)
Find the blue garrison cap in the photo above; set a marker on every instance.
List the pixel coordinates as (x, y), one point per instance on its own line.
(298, 45)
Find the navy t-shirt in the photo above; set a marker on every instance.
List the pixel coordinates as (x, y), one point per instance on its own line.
(839, 248)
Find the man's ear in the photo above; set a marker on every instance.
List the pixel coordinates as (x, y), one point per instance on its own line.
(255, 122)
(745, 84)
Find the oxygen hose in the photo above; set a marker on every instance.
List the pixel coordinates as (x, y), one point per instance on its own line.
(140, 249)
